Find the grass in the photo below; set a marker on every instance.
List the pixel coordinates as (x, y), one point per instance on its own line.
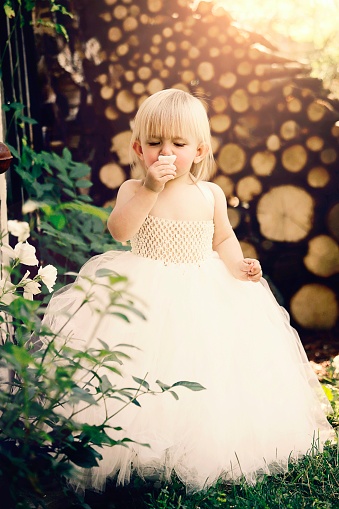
(313, 482)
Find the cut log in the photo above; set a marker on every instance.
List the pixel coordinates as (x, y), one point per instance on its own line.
(226, 184)
(125, 101)
(220, 123)
(239, 100)
(155, 85)
(248, 250)
(244, 68)
(294, 105)
(232, 158)
(254, 86)
(233, 216)
(335, 130)
(289, 130)
(263, 163)
(285, 214)
(333, 221)
(120, 145)
(111, 113)
(273, 143)
(294, 158)
(322, 258)
(206, 71)
(315, 306)
(247, 188)
(316, 111)
(227, 80)
(314, 143)
(114, 34)
(112, 175)
(328, 155)
(107, 92)
(219, 103)
(318, 177)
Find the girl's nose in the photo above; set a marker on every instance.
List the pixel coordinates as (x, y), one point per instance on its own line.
(166, 149)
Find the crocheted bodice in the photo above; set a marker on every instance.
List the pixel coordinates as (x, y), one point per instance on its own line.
(174, 241)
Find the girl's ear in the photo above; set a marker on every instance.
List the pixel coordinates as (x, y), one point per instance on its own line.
(138, 149)
(202, 151)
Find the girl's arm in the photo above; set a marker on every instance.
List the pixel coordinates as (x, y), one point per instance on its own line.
(136, 199)
(134, 202)
(227, 245)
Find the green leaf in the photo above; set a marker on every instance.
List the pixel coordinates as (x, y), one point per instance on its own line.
(164, 387)
(66, 154)
(16, 355)
(141, 382)
(70, 193)
(58, 221)
(28, 120)
(82, 455)
(328, 392)
(105, 384)
(16, 106)
(9, 11)
(121, 315)
(135, 402)
(85, 198)
(79, 171)
(83, 183)
(66, 180)
(79, 394)
(193, 386)
(85, 208)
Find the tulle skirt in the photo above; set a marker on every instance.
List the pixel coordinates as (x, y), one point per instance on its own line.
(261, 406)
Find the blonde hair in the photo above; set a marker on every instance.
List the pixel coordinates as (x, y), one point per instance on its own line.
(174, 113)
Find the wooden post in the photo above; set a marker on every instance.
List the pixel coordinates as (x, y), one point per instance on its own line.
(5, 328)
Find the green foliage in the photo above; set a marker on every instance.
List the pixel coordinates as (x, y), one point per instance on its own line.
(16, 9)
(65, 225)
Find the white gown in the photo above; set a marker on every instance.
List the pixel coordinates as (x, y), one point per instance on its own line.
(262, 403)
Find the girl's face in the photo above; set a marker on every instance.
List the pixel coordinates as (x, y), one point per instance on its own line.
(186, 149)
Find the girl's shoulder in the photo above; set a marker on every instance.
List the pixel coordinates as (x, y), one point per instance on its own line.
(130, 186)
(218, 193)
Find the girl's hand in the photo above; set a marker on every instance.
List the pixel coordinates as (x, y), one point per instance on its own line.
(252, 270)
(158, 174)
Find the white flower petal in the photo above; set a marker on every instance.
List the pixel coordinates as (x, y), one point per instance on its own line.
(31, 286)
(8, 250)
(7, 290)
(28, 295)
(30, 206)
(48, 276)
(19, 229)
(25, 253)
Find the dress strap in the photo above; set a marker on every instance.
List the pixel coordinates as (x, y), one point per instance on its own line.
(206, 191)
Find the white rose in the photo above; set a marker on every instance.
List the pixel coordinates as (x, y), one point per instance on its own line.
(31, 288)
(19, 229)
(6, 292)
(25, 253)
(48, 276)
(30, 206)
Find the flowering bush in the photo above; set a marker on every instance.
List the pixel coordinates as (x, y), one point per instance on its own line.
(24, 253)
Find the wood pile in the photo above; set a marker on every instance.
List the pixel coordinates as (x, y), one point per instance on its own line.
(275, 129)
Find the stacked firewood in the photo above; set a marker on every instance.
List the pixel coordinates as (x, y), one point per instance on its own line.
(275, 131)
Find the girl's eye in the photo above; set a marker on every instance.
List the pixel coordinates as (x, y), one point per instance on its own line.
(179, 144)
(153, 143)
